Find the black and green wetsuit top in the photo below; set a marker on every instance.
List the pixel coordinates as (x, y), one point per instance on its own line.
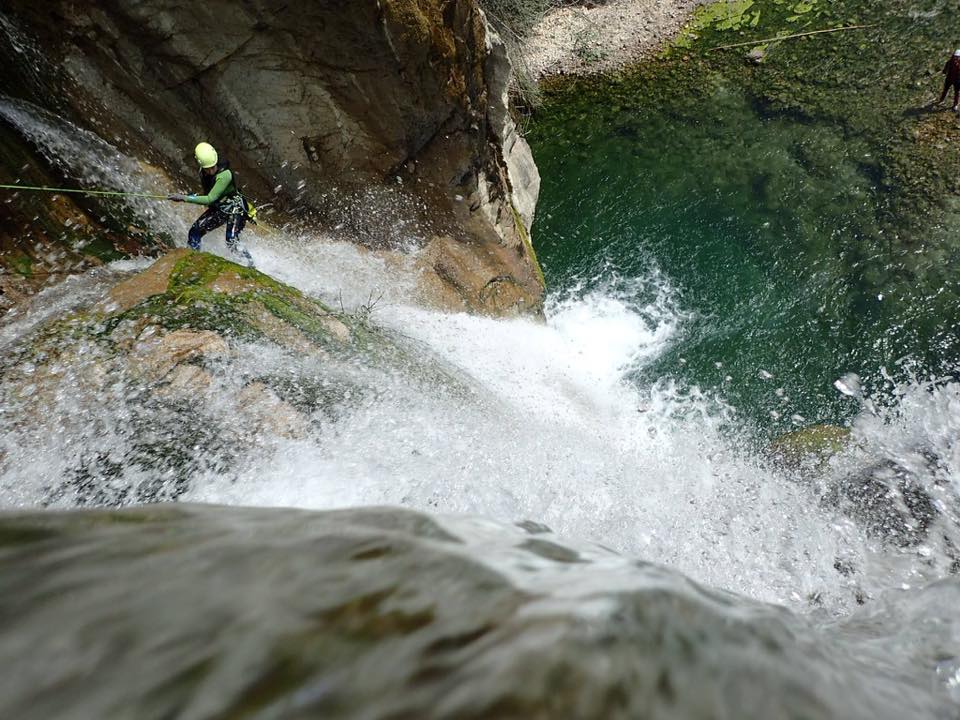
(221, 188)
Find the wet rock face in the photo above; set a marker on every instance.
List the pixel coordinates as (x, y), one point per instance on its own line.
(315, 103)
(381, 613)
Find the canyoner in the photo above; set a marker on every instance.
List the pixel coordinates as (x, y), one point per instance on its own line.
(951, 72)
(225, 203)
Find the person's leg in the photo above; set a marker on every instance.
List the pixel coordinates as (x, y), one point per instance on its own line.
(234, 227)
(946, 88)
(956, 95)
(210, 220)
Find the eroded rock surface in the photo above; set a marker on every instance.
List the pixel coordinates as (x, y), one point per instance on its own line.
(385, 613)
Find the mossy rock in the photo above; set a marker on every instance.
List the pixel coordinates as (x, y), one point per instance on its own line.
(186, 289)
(199, 292)
(172, 346)
(816, 443)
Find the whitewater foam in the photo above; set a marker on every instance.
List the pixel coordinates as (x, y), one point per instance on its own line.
(554, 432)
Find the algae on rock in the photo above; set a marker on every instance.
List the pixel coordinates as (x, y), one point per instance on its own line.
(816, 444)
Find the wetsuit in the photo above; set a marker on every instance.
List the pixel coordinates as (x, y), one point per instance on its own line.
(952, 72)
(225, 205)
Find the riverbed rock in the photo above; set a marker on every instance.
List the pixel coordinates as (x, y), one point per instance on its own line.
(188, 379)
(342, 114)
(890, 500)
(885, 496)
(269, 413)
(810, 445)
(156, 356)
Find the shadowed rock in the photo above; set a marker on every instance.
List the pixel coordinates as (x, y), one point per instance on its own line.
(225, 612)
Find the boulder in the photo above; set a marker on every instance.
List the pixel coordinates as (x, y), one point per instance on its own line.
(889, 499)
(192, 364)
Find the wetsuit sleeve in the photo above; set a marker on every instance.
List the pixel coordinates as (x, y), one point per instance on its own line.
(223, 182)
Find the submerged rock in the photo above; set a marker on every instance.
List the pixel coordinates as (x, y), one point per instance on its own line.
(889, 499)
(813, 444)
(885, 496)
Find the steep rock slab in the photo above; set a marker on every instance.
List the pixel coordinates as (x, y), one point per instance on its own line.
(316, 103)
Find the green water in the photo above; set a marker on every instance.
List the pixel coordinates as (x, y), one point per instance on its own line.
(803, 217)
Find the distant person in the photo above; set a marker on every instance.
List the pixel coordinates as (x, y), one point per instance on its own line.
(225, 204)
(952, 72)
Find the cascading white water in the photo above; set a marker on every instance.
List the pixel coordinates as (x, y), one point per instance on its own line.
(552, 432)
(557, 435)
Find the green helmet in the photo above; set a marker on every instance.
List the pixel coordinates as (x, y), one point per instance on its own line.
(206, 155)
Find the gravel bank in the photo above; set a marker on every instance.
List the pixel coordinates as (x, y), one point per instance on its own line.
(596, 38)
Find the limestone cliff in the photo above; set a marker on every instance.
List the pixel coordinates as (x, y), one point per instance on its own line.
(349, 114)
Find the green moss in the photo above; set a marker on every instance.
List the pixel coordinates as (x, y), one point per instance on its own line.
(194, 272)
(102, 248)
(219, 313)
(310, 324)
(528, 243)
(720, 16)
(22, 265)
(190, 300)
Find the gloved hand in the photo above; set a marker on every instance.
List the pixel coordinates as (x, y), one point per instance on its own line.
(177, 197)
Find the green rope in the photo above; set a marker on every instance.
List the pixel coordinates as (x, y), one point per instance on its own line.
(83, 192)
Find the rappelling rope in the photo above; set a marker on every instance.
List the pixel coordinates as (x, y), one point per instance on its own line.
(113, 193)
(82, 192)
